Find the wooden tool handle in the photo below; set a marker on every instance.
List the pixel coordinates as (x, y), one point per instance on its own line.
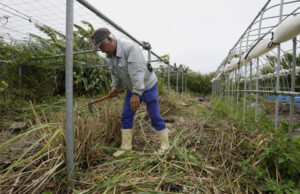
(118, 92)
(100, 99)
(105, 97)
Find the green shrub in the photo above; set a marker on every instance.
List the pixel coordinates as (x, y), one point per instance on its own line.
(274, 164)
(279, 164)
(46, 77)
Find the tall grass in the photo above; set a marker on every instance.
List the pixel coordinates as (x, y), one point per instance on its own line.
(33, 160)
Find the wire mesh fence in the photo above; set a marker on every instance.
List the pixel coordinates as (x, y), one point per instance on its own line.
(39, 27)
(264, 66)
(51, 39)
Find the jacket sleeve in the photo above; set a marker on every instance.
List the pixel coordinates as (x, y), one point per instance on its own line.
(136, 69)
(115, 81)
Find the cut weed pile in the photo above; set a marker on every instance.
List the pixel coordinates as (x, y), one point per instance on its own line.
(208, 154)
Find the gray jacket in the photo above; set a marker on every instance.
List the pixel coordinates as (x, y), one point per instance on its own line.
(128, 69)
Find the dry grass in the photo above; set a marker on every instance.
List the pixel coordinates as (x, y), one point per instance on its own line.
(202, 158)
(33, 160)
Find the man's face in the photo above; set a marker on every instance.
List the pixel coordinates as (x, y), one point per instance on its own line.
(108, 47)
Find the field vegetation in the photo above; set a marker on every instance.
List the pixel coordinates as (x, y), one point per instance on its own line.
(212, 150)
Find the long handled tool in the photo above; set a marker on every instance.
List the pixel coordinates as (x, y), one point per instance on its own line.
(90, 104)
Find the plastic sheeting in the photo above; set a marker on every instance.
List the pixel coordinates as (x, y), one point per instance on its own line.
(261, 48)
(287, 30)
(283, 98)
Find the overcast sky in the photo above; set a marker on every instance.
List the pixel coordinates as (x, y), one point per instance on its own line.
(195, 33)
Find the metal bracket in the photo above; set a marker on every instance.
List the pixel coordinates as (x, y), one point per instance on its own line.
(146, 45)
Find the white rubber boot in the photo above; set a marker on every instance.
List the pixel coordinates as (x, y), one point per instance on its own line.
(164, 140)
(126, 135)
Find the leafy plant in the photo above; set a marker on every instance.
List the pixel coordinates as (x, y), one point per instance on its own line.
(45, 77)
(90, 81)
(286, 61)
(270, 159)
(3, 86)
(266, 69)
(279, 164)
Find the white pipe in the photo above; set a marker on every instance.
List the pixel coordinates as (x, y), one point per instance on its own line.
(261, 48)
(243, 60)
(287, 30)
(234, 63)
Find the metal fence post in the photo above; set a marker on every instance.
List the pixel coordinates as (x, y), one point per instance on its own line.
(277, 74)
(232, 93)
(185, 82)
(221, 87)
(256, 88)
(228, 88)
(20, 79)
(216, 87)
(226, 85)
(277, 88)
(237, 93)
(69, 93)
(245, 79)
(177, 81)
(181, 82)
(250, 85)
(212, 88)
(168, 78)
(238, 80)
(231, 88)
(292, 104)
(245, 94)
(257, 67)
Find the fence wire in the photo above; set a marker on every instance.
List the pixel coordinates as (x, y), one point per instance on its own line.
(23, 22)
(18, 25)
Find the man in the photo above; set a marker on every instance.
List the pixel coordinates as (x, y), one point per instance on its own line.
(128, 69)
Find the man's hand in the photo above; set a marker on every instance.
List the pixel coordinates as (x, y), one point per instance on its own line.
(134, 102)
(114, 93)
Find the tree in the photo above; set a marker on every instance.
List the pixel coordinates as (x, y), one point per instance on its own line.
(286, 60)
(267, 69)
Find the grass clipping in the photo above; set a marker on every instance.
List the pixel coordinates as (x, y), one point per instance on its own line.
(206, 153)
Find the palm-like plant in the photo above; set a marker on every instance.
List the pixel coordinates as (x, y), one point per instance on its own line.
(33, 51)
